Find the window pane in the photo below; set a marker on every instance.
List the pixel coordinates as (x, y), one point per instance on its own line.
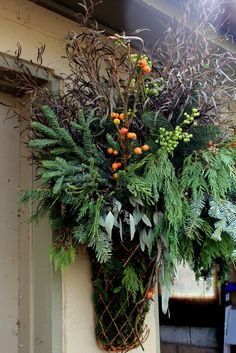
(185, 285)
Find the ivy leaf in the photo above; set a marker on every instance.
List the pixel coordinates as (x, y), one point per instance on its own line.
(132, 226)
(109, 223)
(146, 220)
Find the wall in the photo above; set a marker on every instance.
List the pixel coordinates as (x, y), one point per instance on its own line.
(185, 339)
(9, 259)
(24, 22)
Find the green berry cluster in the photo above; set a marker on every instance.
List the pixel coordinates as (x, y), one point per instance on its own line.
(153, 89)
(169, 140)
(133, 58)
(189, 118)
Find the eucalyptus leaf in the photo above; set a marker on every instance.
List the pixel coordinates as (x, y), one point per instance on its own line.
(109, 223)
(137, 215)
(102, 221)
(118, 205)
(138, 200)
(121, 229)
(132, 201)
(146, 220)
(132, 226)
(156, 217)
(142, 238)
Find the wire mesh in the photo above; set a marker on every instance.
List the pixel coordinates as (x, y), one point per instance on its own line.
(120, 315)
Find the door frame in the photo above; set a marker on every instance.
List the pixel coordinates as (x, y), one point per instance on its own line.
(40, 287)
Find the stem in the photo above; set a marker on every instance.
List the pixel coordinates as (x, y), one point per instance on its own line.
(118, 81)
(138, 85)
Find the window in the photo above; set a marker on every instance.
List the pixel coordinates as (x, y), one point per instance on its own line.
(187, 287)
(193, 303)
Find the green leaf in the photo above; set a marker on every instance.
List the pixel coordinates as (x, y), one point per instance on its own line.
(146, 220)
(109, 223)
(132, 226)
(137, 215)
(121, 229)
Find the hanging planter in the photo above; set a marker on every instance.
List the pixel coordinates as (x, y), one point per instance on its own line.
(134, 163)
(121, 300)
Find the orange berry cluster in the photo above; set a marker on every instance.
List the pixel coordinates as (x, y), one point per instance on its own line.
(124, 134)
(142, 63)
(110, 150)
(115, 166)
(117, 118)
(139, 150)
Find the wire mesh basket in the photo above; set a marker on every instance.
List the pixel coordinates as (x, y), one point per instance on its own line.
(120, 315)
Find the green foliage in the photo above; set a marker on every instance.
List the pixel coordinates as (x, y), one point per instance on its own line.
(135, 163)
(62, 257)
(225, 212)
(131, 282)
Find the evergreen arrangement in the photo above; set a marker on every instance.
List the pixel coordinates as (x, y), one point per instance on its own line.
(137, 163)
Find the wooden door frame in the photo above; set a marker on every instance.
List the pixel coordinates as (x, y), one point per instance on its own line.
(40, 288)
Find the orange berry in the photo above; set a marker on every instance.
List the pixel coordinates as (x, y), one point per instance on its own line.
(150, 294)
(233, 144)
(116, 121)
(117, 115)
(123, 131)
(142, 62)
(146, 69)
(145, 147)
(119, 164)
(122, 116)
(110, 150)
(138, 150)
(115, 166)
(113, 115)
(115, 152)
(115, 176)
(132, 135)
